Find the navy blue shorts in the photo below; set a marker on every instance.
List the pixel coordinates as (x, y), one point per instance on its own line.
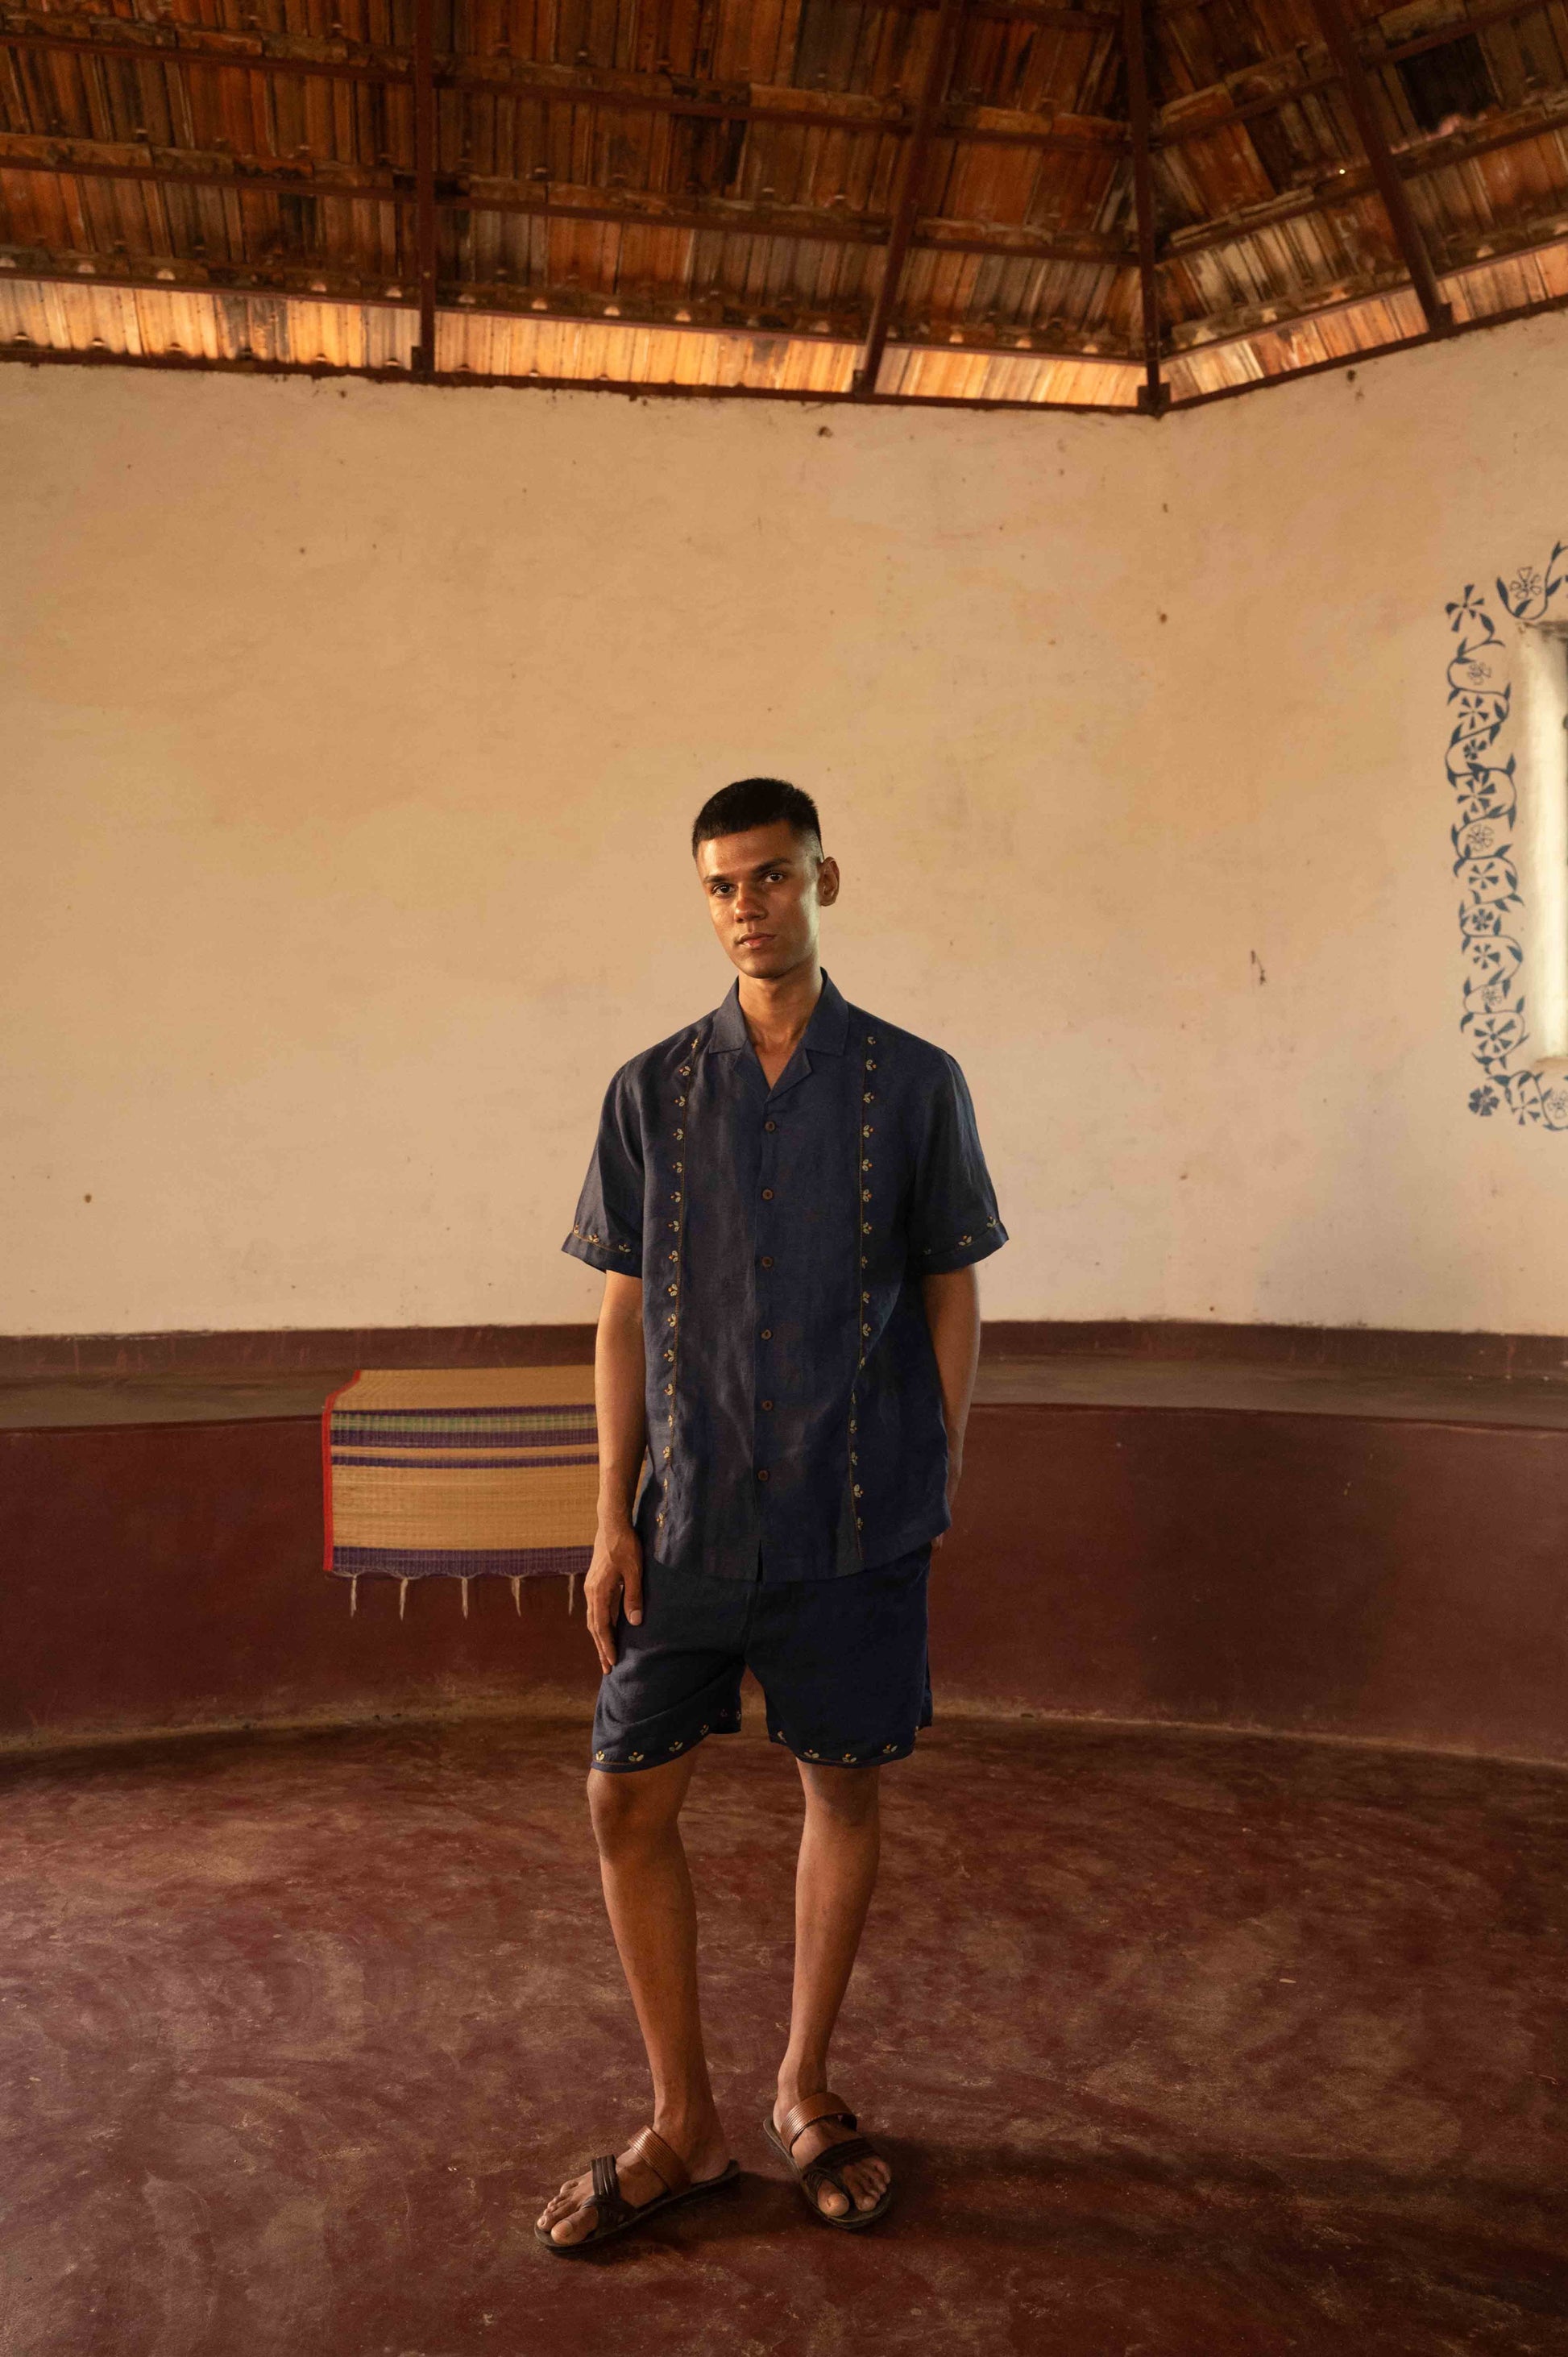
(841, 1664)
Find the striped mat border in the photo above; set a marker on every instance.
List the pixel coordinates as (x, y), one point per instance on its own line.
(432, 1472)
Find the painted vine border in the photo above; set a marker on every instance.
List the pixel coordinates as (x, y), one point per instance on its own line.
(1482, 695)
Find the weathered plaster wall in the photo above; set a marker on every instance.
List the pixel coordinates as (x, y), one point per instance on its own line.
(350, 735)
(1334, 1171)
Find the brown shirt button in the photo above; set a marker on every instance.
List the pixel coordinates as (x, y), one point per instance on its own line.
(762, 1472)
(767, 1333)
(770, 1124)
(768, 1260)
(768, 1194)
(766, 1404)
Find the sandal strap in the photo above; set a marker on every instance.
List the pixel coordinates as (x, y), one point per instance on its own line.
(608, 2200)
(662, 2159)
(808, 2112)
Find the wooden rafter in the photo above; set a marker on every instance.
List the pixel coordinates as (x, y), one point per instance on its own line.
(906, 194)
(1385, 172)
(633, 211)
(1151, 394)
(425, 181)
(676, 314)
(526, 81)
(34, 356)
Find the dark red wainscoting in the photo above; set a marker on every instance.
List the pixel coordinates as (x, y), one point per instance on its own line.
(170, 1576)
(1343, 1575)
(1346, 1575)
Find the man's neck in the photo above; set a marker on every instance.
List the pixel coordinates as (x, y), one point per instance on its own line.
(777, 1012)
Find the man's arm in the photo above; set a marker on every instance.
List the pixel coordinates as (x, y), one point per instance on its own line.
(953, 1313)
(621, 1414)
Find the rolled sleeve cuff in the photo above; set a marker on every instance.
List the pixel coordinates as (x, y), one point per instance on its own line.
(603, 1252)
(975, 1243)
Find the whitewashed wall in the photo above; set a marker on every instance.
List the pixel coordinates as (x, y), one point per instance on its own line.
(351, 736)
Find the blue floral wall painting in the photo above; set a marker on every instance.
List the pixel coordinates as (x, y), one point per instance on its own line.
(1480, 695)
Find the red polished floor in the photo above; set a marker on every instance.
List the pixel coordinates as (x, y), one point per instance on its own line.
(1185, 2045)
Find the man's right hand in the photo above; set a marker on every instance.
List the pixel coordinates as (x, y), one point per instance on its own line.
(614, 1571)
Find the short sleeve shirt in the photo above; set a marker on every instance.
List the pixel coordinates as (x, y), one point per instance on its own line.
(794, 1408)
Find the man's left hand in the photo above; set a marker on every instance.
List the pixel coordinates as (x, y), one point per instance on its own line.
(955, 1475)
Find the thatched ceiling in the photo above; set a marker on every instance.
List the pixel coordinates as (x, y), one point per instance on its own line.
(963, 199)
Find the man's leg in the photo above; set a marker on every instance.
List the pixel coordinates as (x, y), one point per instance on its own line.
(648, 1891)
(836, 1874)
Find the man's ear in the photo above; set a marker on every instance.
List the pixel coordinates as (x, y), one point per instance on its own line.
(828, 882)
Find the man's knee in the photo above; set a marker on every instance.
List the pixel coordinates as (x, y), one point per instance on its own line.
(628, 1811)
(849, 1795)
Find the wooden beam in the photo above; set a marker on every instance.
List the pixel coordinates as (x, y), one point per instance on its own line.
(622, 388)
(27, 355)
(637, 210)
(525, 81)
(425, 181)
(1049, 19)
(322, 282)
(906, 190)
(194, 47)
(1153, 396)
(1390, 188)
(240, 175)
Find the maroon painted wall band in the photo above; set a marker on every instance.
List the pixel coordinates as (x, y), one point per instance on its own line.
(1393, 1580)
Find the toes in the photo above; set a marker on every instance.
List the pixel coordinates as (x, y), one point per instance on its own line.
(572, 2196)
(574, 2229)
(831, 2202)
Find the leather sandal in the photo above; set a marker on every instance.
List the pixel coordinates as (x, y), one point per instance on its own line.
(824, 2169)
(615, 2213)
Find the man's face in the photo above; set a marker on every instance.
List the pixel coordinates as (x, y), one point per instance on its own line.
(765, 889)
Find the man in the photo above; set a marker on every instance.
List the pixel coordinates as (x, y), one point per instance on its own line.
(787, 1199)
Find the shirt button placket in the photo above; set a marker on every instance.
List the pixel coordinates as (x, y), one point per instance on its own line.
(675, 1228)
(764, 1289)
(863, 1202)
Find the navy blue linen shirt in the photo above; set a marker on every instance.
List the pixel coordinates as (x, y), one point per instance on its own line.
(794, 1405)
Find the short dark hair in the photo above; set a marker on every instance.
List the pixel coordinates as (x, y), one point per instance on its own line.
(756, 801)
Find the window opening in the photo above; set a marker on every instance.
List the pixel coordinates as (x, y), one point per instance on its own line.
(1542, 838)
(1448, 87)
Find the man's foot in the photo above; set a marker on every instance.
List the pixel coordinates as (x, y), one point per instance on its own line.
(867, 2181)
(572, 2214)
